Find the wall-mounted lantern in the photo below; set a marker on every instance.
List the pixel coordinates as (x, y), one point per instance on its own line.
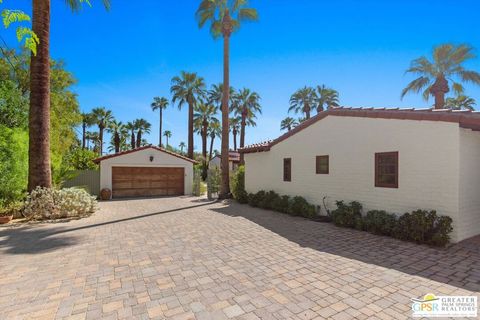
(151, 158)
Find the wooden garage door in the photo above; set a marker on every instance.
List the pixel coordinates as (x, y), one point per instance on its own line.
(147, 182)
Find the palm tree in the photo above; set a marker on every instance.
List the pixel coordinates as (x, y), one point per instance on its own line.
(460, 103)
(142, 126)
(204, 115)
(215, 130)
(436, 76)
(302, 101)
(159, 104)
(186, 89)
(130, 126)
(326, 97)
(288, 123)
(167, 134)
(87, 121)
(94, 137)
(225, 18)
(119, 132)
(215, 95)
(102, 118)
(182, 145)
(235, 126)
(90, 136)
(246, 105)
(39, 166)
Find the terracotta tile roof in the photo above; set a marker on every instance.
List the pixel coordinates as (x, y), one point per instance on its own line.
(465, 119)
(98, 160)
(233, 156)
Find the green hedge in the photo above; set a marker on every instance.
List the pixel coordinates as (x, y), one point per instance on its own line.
(419, 226)
(238, 185)
(296, 206)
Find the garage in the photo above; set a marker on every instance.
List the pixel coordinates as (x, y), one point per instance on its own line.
(146, 172)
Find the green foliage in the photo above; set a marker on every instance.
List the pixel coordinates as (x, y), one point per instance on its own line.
(13, 164)
(380, 222)
(213, 182)
(300, 207)
(281, 204)
(23, 33)
(81, 159)
(238, 185)
(347, 215)
(197, 181)
(254, 199)
(268, 200)
(13, 105)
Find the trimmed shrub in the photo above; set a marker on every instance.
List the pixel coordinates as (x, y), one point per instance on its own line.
(238, 185)
(197, 181)
(254, 199)
(300, 207)
(380, 222)
(43, 203)
(268, 200)
(348, 215)
(441, 233)
(281, 204)
(213, 182)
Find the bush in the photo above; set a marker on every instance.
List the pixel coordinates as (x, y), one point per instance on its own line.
(300, 207)
(213, 182)
(43, 203)
(349, 216)
(238, 185)
(197, 181)
(254, 199)
(281, 204)
(380, 222)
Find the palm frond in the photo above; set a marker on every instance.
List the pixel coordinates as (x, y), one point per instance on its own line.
(457, 88)
(247, 14)
(416, 86)
(470, 76)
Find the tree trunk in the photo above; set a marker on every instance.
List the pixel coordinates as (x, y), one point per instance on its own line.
(167, 141)
(190, 129)
(39, 172)
(160, 137)
(225, 185)
(234, 139)
(117, 142)
(204, 149)
(212, 137)
(132, 140)
(242, 135)
(307, 112)
(100, 139)
(84, 129)
(439, 100)
(438, 90)
(139, 138)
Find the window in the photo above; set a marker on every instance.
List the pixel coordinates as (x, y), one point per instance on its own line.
(386, 169)
(287, 169)
(322, 165)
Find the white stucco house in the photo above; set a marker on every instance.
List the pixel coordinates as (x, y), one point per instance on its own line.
(392, 159)
(233, 161)
(146, 171)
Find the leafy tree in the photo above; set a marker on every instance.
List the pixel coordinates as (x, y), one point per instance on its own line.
(225, 17)
(182, 146)
(246, 105)
(235, 126)
(460, 102)
(302, 101)
(159, 104)
(445, 69)
(39, 115)
(204, 115)
(288, 123)
(167, 134)
(13, 105)
(326, 97)
(187, 89)
(25, 35)
(102, 118)
(81, 159)
(142, 126)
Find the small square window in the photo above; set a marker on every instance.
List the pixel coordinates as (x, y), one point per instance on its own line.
(287, 169)
(322, 165)
(386, 169)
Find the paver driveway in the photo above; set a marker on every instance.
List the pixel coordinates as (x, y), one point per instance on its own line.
(181, 258)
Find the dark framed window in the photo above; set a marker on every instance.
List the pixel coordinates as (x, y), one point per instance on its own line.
(386, 169)
(322, 165)
(287, 169)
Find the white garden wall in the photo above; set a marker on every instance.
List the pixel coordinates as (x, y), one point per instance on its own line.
(141, 158)
(429, 166)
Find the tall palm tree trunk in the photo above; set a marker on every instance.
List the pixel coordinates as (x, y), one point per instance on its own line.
(226, 30)
(307, 112)
(100, 138)
(438, 90)
(234, 139)
(139, 138)
(204, 149)
(132, 139)
(84, 130)
(212, 138)
(160, 135)
(190, 129)
(39, 172)
(117, 142)
(243, 124)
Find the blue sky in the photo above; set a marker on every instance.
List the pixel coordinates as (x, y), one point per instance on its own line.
(125, 57)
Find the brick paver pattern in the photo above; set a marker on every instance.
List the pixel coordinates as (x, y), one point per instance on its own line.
(186, 258)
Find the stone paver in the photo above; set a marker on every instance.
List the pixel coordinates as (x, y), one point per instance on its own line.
(186, 258)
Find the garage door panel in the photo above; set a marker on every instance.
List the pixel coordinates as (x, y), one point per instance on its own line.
(147, 181)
